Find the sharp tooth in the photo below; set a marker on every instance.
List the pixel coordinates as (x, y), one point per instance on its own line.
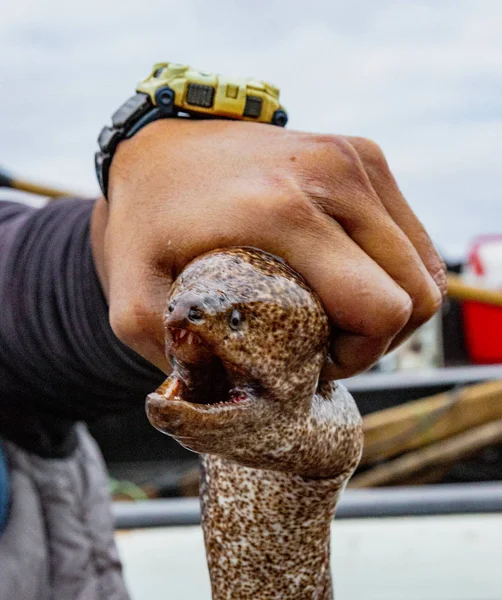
(182, 334)
(190, 338)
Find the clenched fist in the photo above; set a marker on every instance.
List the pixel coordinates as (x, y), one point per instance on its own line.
(326, 204)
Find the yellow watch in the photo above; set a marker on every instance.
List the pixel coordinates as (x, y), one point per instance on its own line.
(174, 90)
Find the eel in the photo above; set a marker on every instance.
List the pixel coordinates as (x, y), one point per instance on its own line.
(247, 339)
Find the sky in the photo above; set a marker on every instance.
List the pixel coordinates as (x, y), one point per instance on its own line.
(421, 78)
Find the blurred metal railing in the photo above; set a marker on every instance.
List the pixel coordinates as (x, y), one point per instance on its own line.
(423, 378)
(446, 499)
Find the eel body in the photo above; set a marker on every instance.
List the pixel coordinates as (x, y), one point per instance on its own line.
(247, 339)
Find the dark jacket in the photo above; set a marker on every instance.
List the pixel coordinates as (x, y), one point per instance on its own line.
(60, 364)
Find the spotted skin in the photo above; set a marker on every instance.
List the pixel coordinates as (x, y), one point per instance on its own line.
(278, 444)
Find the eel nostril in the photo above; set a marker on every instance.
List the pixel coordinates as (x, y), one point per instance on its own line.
(195, 313)
(170, 308)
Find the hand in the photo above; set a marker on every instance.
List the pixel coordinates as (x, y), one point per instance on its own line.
(326, 204)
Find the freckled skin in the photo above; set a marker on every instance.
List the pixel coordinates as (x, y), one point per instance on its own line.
(276, 459)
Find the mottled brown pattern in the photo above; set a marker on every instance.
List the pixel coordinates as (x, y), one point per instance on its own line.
(278, 444)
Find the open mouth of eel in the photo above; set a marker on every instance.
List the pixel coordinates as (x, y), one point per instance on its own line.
(200, 377)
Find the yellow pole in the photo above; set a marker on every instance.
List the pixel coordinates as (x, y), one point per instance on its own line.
(461, 291)
(40, 190)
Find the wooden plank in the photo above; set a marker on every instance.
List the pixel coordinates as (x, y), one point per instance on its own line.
(399, 429)
(433, 456)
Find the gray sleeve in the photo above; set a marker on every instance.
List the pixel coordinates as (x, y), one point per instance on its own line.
(24, 560)
(59, 541)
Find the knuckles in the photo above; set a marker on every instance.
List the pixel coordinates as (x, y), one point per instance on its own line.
(428, 306)
(439, 274)
(290, 204)
(332, 167)
(333, 154)
(370, 153)
(391, 317)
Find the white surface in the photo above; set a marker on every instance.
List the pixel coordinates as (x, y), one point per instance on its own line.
(427, 558)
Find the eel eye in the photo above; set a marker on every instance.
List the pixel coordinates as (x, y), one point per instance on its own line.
(235, 319)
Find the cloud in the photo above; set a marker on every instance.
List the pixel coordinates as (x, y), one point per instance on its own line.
(424, 79)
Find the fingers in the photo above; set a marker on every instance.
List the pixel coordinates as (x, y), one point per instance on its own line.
(362, 300)
(136, 314)
(380, 238)
(352, 354)
(336, 180)
(385, 186)
(137, 295)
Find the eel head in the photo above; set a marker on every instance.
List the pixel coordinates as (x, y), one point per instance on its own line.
(247, 339)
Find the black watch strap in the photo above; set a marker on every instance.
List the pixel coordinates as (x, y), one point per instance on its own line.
(134, 114)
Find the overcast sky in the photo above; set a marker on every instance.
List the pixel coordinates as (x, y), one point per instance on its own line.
(423, 79)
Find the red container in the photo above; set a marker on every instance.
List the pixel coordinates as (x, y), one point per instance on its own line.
(483, 322)
(483, 332)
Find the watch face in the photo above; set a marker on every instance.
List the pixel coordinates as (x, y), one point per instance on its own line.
(207, 94)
